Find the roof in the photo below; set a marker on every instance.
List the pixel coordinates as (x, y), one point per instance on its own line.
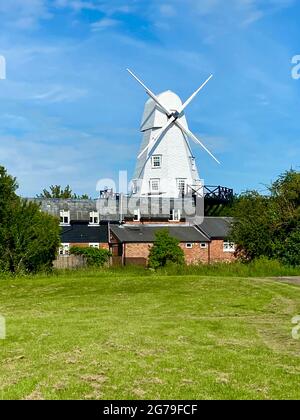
(216, 227)
(83, 233)
(146, 233)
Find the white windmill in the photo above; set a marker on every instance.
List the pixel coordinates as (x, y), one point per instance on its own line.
(165, 165)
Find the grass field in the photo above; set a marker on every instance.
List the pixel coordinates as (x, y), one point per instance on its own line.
(90, 335)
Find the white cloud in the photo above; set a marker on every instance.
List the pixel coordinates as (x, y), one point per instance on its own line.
(103, 24)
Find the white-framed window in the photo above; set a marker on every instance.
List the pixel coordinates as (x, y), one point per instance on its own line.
(181, 183)
(94, 218)
(156, 161)
(175, 215)
(64, 217)
(228, 246)
(189, 245)
(203, 245)
(94, 245)
(154, 185)
(137, 215)
(64, 249)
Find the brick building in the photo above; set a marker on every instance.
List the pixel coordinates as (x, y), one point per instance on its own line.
(130, 236)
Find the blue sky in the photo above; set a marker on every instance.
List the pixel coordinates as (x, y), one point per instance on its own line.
(70, 113)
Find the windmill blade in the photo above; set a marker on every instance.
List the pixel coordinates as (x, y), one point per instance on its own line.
(189, 100)
(150, 93)
(194, 138)
(152, 142)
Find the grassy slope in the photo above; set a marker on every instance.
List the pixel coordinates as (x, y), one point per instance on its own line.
(148, 337)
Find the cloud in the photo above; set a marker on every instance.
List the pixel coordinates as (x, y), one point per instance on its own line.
(103, 24)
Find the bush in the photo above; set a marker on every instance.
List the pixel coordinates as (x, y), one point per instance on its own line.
(95, 257)
(165, 250)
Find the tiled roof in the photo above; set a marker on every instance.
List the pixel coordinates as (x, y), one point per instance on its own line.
(146, 233)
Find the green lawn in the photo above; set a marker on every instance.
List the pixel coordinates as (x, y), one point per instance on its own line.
(107, 336)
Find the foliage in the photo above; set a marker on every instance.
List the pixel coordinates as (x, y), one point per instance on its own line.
(94, 256)
(266, 225)
(165, 250)
(56, 191)
(29, 239)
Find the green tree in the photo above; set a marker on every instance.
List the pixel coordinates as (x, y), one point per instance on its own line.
(57, 191)
(269, 225)
(29, 238)
(165, 249)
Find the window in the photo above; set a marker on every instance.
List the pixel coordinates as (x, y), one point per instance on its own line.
(137, 215)
(94, 245)
(181, 185)
(94, 218)
(228, 246)
(203, 245)
(156, 161)
(154, 185)
(64, 217)
(175, 215)
(189, 245)
(64, 249)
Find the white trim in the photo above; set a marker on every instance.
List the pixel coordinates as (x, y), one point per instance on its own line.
(94, 245)
(156, 157)
(228, 246)
(157, 182)
(94, 215)
(64, 216)
(175, 216)
(136, 215)
(64, 249)
(189, 245)
(203, 245)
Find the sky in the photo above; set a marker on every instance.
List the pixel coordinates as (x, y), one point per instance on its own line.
(70, 113)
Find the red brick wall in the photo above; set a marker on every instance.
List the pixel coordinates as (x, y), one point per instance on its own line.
(217, 254)
(195, 254)
(139, 252)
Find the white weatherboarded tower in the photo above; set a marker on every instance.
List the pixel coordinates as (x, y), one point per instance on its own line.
(165, 165)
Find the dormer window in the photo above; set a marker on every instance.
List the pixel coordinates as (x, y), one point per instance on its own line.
(64, 217)
(137, 215)
(94, 218)
(156, 161)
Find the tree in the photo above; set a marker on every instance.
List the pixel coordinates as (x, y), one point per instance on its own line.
(165, 249)
(56, 191)
(29, 238)
(269, 225)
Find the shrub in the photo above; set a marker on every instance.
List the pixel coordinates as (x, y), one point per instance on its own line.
(165, 250)
(96, 257)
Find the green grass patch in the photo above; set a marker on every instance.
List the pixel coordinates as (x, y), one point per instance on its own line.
(110, 335)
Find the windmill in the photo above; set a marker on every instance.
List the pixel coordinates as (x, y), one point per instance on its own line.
(165, 164)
